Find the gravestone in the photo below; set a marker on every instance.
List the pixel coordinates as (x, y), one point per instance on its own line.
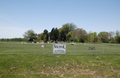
(72, 43)
(42, 45)
(82, 43)
(91, 48)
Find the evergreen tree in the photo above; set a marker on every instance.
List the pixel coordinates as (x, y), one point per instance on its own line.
(54, 34)
(45, 34)
(62, 36)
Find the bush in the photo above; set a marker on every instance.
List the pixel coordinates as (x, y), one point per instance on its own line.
(82, 40)
(118, 39)
(78, 40)
(72, 39)
(99, 41)
(35, 41)
(111, 41)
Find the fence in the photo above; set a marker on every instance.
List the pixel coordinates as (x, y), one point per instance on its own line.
(76, 49)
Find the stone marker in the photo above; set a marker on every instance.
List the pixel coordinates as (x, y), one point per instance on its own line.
(72, 43)
(42, 45)
(91, 48)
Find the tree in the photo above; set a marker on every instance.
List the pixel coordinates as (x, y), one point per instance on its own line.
(117, 33)
(94, 37)
(62, 36)
(68, 27)
(111, 35)
(45, 34)
(30, 35)
(103, 36)
(40, 37)
(69, 35)
(73, 34)
(54, 34)
(117, 37)
(80, 34)
(89, 36)
(45, 39)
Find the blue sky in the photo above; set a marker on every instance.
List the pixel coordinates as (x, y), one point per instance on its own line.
(18, 16)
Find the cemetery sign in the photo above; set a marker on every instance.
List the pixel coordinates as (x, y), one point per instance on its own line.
(59, 48)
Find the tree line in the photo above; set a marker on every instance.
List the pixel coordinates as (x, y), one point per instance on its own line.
(12, 39)
(70, 32)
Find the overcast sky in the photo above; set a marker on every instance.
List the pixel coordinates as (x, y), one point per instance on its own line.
(18, 16)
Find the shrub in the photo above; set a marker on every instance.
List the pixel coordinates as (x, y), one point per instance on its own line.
(111, 41)
(72, 39)
(78, 40)
(99, 41)
(82, 40)
(35, 41)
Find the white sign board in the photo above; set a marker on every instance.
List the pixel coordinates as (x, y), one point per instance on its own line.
(59, 48)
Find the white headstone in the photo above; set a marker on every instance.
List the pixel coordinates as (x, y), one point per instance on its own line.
(21, 42)
(42, 45)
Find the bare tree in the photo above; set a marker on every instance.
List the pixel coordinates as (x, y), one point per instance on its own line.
(80, 33)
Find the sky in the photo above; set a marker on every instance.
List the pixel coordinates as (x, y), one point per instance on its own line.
(18, 16)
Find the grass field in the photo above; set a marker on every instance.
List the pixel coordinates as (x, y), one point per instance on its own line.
(59, 66)
(78, 49)
(28, 61)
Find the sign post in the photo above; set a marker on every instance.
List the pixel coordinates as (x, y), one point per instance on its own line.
(59, 48)
(103, 48)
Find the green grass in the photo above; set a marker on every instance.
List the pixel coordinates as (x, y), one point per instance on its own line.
(27, 61)
(78, 49)
(58, 66)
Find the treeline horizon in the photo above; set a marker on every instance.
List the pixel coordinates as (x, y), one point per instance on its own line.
(69, 32)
